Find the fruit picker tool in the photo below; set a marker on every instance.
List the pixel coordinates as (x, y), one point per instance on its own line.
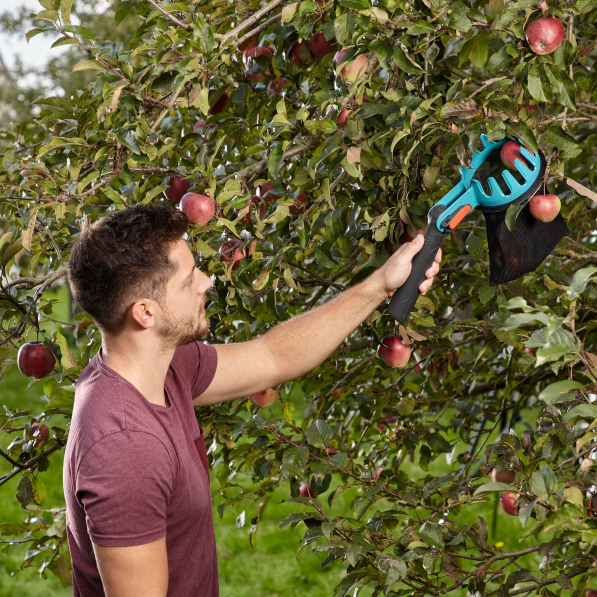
(489, 186)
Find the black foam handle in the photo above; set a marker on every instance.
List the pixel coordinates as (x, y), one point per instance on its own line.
(405, 297)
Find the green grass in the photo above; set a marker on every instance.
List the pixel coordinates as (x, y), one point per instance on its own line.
(269, 571)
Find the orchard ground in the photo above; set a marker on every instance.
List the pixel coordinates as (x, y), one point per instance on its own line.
(271, 570)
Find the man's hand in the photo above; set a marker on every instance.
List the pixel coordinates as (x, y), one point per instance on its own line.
(396, 270)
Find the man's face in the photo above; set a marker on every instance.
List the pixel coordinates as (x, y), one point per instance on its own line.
(184, 317)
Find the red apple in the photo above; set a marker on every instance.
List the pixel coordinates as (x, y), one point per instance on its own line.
(199, 126)
(278, 85)
(254, 52)
(200, 209)
(210, 132)
(25, 173)
(42, 433)
(252, 42)
(511, 151)
(405, 237)
(507, 500)
(320, 46)
(305, 490)
(266, 192)
(343, 116)
(507, 476)
(230, 247)
(330, 451)
(299, 203)
(177, 186)
(220, 104)
(394, 352)
(544, 35)
(264, 399)
(351, 70)
(545, 207)
(294, 55)
(386, 423)
(248, 217)
(528, 350)
(35, 359)
(591, 593)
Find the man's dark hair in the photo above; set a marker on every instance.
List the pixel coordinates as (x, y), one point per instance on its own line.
(123, 257)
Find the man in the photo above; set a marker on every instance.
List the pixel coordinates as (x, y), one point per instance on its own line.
(136, 481)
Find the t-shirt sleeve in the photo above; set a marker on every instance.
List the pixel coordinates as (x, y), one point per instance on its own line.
(124, 483)
(197, 362)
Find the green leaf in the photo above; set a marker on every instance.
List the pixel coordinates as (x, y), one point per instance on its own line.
(274, 162)
(493, 486)
(559, 138)
(580, 281)
(567, 90)
(475, 50)
(82, 31)
(204, 36)
(560, 391)
(88, 65)
(65, 8)
(323, 258)
(67, 361)
(511, 215)
(524, 132)
(47, 15)
(319, 434)
(403, 63)
(583, 411)
(534, 84)
(431, 535)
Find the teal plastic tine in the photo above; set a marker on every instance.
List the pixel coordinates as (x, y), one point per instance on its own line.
(526, 173)
(515, 186)
(527, 154)
(495, 187)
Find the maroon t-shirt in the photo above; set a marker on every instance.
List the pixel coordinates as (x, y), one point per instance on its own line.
(135, 472)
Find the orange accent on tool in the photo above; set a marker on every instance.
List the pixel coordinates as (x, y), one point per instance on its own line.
(458, 217)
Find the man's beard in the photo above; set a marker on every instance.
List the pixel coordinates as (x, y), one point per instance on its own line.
(175, 332)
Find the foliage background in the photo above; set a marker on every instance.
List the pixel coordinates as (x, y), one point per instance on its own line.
(410, 515)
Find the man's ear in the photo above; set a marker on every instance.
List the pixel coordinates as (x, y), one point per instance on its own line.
(143, 313)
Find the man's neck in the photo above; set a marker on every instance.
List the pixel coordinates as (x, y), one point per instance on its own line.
(141, 364)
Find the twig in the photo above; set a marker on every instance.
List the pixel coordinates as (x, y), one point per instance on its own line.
(248, 22)
(487, 84)
(259, 29)
(185, 26)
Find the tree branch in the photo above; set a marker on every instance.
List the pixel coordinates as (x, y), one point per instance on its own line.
(172, 18)
(259, 29)
(248, 22)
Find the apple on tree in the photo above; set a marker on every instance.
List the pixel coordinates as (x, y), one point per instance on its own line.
(231, 251)
(352, 69)
(507, 476)
(35, 360)
(544, 35)
(545, 207)
(25, 173)
(394, 352)
(200, 209)
(178, 185)
(41, 432)
(252, 53)
(591, 593)
(511, 151)
(507, 501)
(277, 85)
(264, 399)
(299, 204)
(385, 424)
(320, 46)
(299, 54)
(220, 104)
(305, 490)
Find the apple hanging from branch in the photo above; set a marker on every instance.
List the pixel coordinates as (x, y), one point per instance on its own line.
(35, 360)
(507, 501)
(42, 433)
(200, 209)
(545, 207)
(511, 151)
(178, 185)
(264, 399)
(394, 352)
(544, 35)
(231, 251)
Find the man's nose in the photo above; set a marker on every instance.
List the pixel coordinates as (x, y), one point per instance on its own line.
(206, 283)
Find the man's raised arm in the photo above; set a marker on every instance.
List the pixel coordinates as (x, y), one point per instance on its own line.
(297, 346)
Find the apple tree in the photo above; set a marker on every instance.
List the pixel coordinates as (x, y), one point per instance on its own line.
(314, 137)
